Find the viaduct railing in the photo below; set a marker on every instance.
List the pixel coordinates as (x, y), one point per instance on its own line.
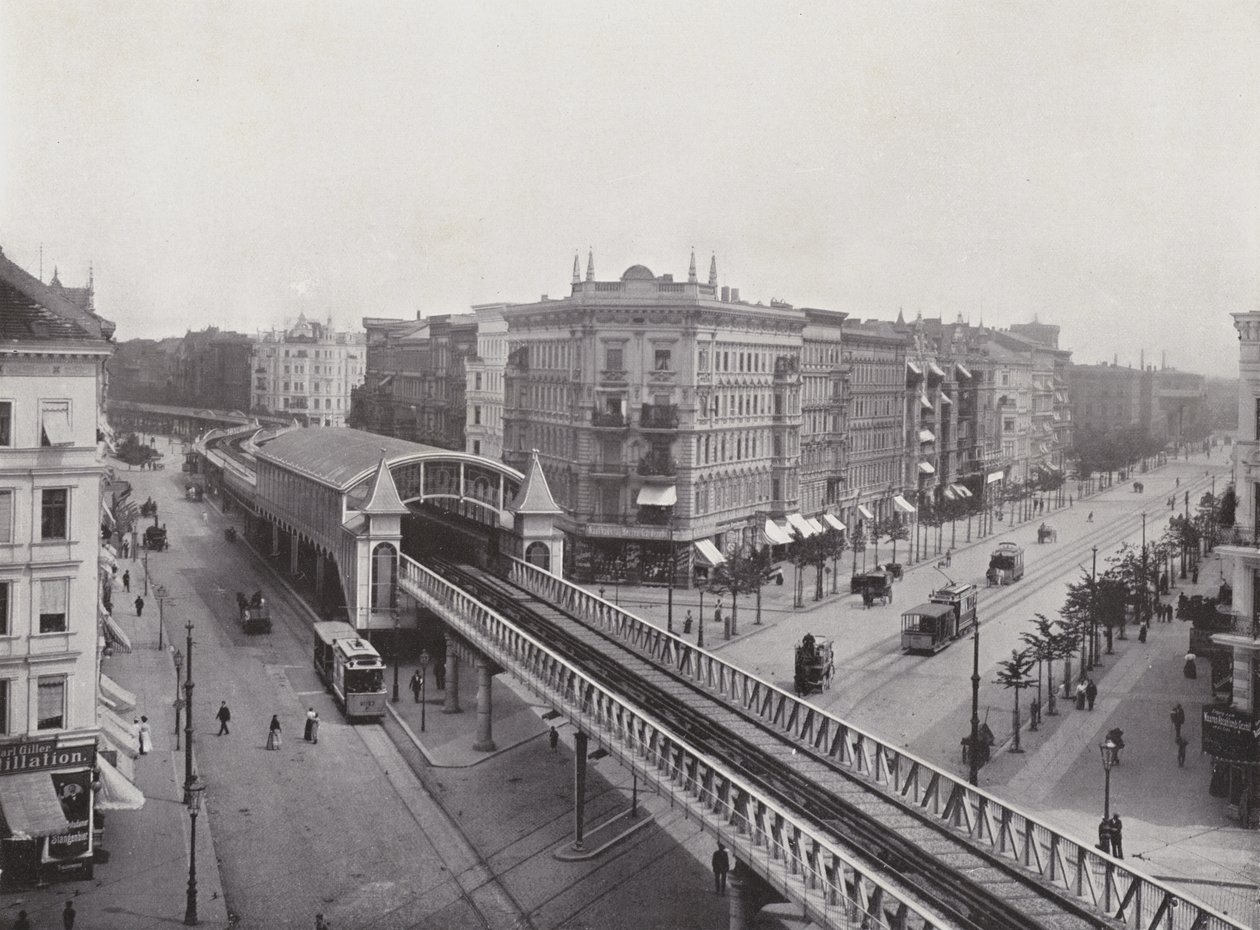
(1094, 879)
(790, 853)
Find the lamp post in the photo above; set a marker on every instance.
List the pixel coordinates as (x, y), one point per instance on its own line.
(179, 666)
(397, 650)
(190, 907)
(700, 624)
(424, 668)
(190, 780)
(1145, 574)
(973, 757)
(669, 610)
(1110, 756)
(159, 592)
(1093, 611)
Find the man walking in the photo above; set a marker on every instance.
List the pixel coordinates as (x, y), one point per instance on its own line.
(553, 739)
(139, 606)
(223, 716)
(1091, 693)
(68, 914)
(416, 682)
(1117, 837)
(1182, 743)
(721, 865)
(127, 582)
(439, 673)
(1178, 717)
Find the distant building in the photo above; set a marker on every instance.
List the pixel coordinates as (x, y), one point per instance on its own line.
(1105, 398)
(483, 387)
(307, 372)
(212, 370)
(143, 370)
(53, 353)
(1179, 408)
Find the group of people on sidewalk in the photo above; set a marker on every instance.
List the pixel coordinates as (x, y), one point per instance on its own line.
(1111, 836)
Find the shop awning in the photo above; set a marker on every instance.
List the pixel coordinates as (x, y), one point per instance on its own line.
(107, 515)
(914, 369)
(801, 525)
(945, 399)
(927, 468)
(994, 476)
(57, 431)
(31, 806)
(962, 370)
(117, 791)
(775, 535)
(654, 496)
(962, 491)
(118, 698)
(903, 505)
(813, 521)
(113, 632)
(834, 523)
(864, 512)
(117, 733)
(925, 403)
(926, 435)
(108, 558)
(935, 369)
(949, 492)
(707, 554)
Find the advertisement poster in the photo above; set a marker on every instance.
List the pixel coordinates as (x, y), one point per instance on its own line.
(75, 791)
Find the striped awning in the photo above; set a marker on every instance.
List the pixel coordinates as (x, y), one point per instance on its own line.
(31, 806)
(775, 535)
(117, 793)
(864, 512)
(813, 521)
(903, 505)
(801, 525)
(113, 632)
(833, 522)
(708, 554)
(116, 696)
(116, 732)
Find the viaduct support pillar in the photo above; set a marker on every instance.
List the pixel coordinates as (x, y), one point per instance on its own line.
(320, 561)
(748, 894)
(452, 680)
(293, 553)
(579, 788)
(275, 539)
(485, 738)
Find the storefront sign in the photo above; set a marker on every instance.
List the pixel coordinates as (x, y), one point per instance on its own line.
(75, 791)
(1230, 734)
(617, 531)
(44, 754)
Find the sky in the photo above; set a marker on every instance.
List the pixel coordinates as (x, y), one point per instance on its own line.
(1094, 165)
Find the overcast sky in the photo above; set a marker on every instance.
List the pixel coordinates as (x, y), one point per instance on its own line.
(1096, 165)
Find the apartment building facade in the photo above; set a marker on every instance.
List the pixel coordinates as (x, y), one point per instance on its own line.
(307, 372)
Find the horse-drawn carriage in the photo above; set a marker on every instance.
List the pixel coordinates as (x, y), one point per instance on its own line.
(155, 538)
(149, 508)
(1047, 533)
(255, 614)
(814, 665)
(894, 569)
(1138, 487)
(873, 586)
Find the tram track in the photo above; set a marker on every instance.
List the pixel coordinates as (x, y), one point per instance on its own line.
(846, 807)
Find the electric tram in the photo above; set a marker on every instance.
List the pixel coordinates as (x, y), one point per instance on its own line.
(948, 615)
(351, 668)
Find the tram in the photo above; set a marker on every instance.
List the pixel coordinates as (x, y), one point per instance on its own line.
(949, 614)
(1006, 564)
(351, 668)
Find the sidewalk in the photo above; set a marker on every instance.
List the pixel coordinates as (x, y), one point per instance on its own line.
(144, 883)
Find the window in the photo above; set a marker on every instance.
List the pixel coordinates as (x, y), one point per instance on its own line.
(6, 422)
(662, 359)
(5, 629)
(476, 447)
(612, 359)
(51, 703)
(476, 416)
(52, 604)
(52, 520)
(477, 381)
(54, 423)
(6, 516)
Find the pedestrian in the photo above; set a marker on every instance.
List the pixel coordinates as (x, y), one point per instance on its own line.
(1091, 693)
(68, 914)
(23, 922)
(417, 680)
(126, 547)
(687, 623)
(1104, 835)
(1080, 694)
(1178, 717)
(139, 606)
(144, 735)
(1191, 668)
(721, 865)
(1069, 500)
(1117, 837)
(310, 721)
(1090, 518)
(439, 674)
(1143, 627)
(223, 716)
(273, 733)
(315, 729)
(127, 582)
(321, 924)
(205, 517)
(553, 739)
(1194, 575)
(1182, 743)
(717, 613)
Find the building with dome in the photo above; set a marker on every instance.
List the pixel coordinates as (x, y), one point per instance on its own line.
(307, 372)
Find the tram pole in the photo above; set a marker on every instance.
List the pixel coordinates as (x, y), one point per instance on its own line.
(973, 754)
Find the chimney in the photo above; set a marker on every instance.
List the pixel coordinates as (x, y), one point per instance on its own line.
(726, 295)
(734, 295)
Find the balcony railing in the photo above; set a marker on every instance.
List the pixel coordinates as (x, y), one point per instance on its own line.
(658, 416)
(657, 466)
(608, 419)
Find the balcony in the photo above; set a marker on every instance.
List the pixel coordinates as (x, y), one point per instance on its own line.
(609, 469)
(653, 465)
(609, 419)
(658, 416)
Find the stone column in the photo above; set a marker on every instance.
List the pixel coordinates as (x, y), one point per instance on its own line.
(293, 553)
(452, 680)
(485, 739)
(275, 539)
(320, 559)
(580, 740)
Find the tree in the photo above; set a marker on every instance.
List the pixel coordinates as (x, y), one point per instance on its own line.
(133, 452)
(739, 574)
(838, 544)
(1067, 638)
(812, 552)
(1014, 673)
(1228, 507)
(896, 530)
(1040, 642)
(857, 543)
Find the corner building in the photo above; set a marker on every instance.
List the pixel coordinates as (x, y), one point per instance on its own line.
(667, 417)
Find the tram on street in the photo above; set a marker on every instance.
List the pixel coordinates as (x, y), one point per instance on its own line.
(948, 615)
(1006, 564)
(351, 668)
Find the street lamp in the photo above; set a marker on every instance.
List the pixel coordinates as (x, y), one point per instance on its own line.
(1093, 612)
(190, 780)
(973, 757)
(397, 650)
(179, 666)
(1110, 756)
(1145, 574)
(190, 908)
(669, 610)
(700, 625)
(424, 667)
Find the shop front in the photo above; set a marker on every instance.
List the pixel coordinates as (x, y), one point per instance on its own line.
(1231, 737)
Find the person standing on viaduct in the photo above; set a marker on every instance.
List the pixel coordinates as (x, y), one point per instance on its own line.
(721, 865)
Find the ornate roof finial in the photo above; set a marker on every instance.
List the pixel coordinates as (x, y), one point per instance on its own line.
(55, 282)
(590, 265)
(691, 272)
(713, 270)
(577, 268)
